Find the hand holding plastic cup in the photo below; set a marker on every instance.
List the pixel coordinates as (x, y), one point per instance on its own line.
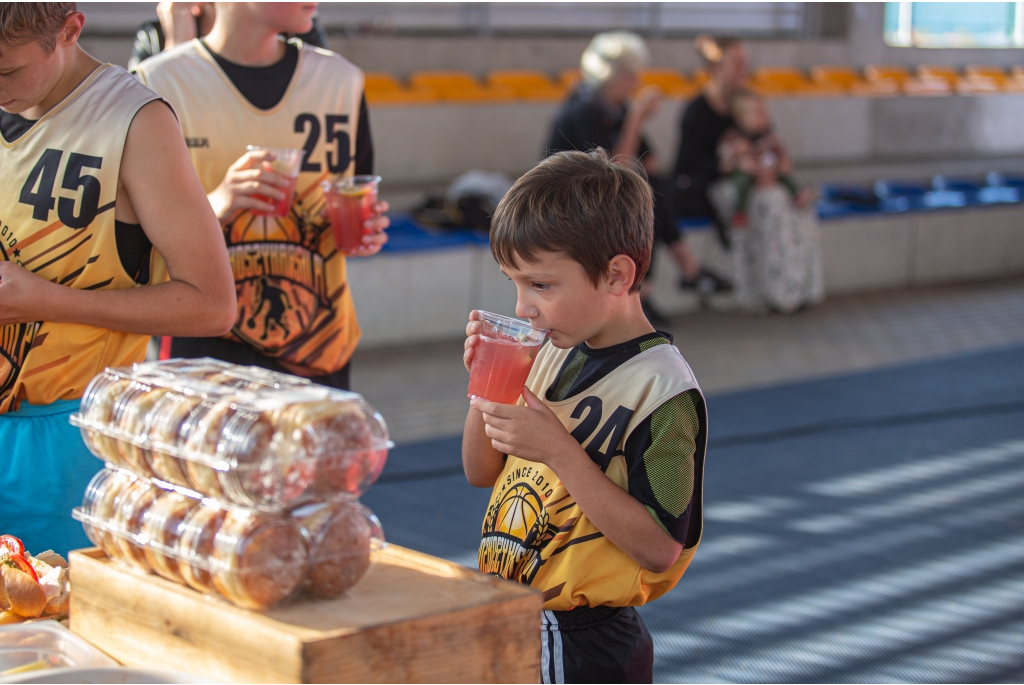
(287, 162)
(503, 357)
(350, 203)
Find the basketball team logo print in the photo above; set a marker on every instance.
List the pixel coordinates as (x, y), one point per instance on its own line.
(15, 342)
(279, 275)
(516, 529)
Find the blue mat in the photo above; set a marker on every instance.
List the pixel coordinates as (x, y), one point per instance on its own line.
(861, 528)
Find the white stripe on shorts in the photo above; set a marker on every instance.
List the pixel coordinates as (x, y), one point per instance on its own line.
(551, 665)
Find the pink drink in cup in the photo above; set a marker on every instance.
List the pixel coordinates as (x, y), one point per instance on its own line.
(350, 202)
(288, 162)
(503, 357)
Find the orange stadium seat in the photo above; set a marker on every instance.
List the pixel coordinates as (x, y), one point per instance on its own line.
(458, 86)
(568, 79)
(774, 81)
(849, 80)
(385, 89)
(916, 86)
(527, 85)
(1005, 82)
(700, 77)
(673, 83)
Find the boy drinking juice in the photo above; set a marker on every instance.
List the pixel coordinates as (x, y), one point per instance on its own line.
(597, 472)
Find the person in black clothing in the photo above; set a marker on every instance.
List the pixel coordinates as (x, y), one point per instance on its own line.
(705, 120)
(604, 112)
(178, 22)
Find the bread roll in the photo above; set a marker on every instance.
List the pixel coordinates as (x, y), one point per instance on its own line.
(195, 547)
(340, 542)
(136, 416)
(170, 421)
(100, 502)
(129, 516)
(258, 559)
(24, 595)
(162, 529)
(202, 442)
(100, 404)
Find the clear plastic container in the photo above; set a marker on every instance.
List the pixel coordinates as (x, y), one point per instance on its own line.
(242, 435)
(254, 559)
(342, 536)
(44, 645)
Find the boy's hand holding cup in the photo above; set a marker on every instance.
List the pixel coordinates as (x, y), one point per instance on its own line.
(499, 355)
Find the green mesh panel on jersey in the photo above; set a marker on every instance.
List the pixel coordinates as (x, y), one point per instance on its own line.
(648, 344)
(669, 459)
(572, 372)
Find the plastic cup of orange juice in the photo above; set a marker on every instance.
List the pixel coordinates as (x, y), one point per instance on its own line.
(503, 358)
(288, 163)
(350, 203)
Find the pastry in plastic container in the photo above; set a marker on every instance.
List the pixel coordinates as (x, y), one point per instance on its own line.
(170, 418)
(343, 435)
(342, 536)
(99, 404)
(258, 559)
(100, 503)
(162, 530)
(205, 426)
(136, 415)
(195, 547)
(129, 515)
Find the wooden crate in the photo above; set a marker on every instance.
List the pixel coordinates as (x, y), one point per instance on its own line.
(413, 618)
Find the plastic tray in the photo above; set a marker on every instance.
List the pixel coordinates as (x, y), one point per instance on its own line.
(44, 645)
(251, 558)
(240, 434)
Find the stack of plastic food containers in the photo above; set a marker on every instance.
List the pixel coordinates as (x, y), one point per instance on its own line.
(235, 481)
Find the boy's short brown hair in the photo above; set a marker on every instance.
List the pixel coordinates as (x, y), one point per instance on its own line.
(580, 204)
(25, 22)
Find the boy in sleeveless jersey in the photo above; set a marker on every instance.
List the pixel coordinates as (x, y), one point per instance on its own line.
(244, 85)
(100, 199)
(597, 473)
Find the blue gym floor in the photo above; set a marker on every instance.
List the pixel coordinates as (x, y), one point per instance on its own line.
(860, 528)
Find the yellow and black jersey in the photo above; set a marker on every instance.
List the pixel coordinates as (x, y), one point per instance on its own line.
(60, 179)
(294, 303)
(639, 414)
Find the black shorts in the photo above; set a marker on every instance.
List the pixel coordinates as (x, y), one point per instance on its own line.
(595, 645)
(237, 353)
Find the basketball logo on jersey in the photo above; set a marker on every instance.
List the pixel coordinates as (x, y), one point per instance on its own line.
(280, 274)
(15, 342)
(517, 527)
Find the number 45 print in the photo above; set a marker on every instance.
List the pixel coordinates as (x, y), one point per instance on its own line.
(38, 189)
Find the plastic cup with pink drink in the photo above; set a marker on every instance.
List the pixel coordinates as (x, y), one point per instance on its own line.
(503, 357)
(350, 203)
(287, 162)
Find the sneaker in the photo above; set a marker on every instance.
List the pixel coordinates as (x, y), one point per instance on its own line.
(657, 319)
(706, 283)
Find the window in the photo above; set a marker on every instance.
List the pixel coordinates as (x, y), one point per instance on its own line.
(954, 24)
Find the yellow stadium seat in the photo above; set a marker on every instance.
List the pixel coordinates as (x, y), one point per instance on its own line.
(527, 85)
(673, 83)
(849, 80)
(459, 86)
(385, 89)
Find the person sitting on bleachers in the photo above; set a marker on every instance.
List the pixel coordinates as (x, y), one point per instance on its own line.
(606, 111)
(753, 155)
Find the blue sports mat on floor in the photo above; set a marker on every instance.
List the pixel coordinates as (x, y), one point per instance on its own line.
(860, 528)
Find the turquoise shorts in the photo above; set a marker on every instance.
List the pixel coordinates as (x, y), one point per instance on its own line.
(44, 468)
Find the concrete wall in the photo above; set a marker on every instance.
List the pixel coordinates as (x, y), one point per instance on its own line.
(108, 28)
(422, 296)
(423, 146)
